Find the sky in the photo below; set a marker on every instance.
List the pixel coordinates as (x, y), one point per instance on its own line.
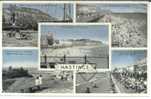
(93, 32)
(123, 7)
(55, 10)
(17, 58)
(124, 58)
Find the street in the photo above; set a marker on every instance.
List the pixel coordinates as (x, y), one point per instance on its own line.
(100, 83)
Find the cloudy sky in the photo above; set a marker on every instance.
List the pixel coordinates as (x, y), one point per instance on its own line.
(124, 58)
(124, 8)
(55, 10)
(20, 58)
(93, 32)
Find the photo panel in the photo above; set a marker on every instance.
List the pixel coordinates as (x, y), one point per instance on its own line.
(21, 75)
(20, 21)
(95, 83)
(129, 21)
(129, 70)
(74, 44)
(128, 75)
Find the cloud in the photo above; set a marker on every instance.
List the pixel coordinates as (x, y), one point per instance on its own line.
(20, 64)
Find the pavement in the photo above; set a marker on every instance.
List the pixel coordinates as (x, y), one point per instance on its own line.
(49, 85)
(103, 85)
(13, 42)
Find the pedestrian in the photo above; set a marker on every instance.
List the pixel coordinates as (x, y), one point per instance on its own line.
(40, 80)
(87, 90)
(45, 59)
(37, 82)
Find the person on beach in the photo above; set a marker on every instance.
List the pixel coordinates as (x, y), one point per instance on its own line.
(40, 80)
(37, 82)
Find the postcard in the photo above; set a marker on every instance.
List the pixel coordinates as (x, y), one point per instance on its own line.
(75, 48)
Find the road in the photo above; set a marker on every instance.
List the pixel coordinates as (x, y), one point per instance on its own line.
(103, 84)
(50, 83)
(121, 87)
(48, 86)
(13, 42)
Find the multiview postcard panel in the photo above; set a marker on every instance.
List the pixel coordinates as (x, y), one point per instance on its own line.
(129, 70)
(21, 75)
(129, 21)
(74, 44)
(128, 75)
(20, 21)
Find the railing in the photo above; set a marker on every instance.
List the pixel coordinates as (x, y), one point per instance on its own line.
(52, 60)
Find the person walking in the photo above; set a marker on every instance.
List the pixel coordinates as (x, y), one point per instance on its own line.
(40, 80)
(37, 82)
(45, 59)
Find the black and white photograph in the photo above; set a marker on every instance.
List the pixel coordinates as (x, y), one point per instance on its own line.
(75, 48)
(129, 70)
(128, 75)
(20, 21)
(20, 74)
(129, 21)
(95, 82)
(74, 44)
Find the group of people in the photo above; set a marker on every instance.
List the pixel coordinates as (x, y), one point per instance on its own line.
(131, 82)
(127, 33)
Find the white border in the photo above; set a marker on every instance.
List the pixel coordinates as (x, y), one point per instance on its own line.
(52, 94)
(77, 24)
(68, 1)
(1, 48)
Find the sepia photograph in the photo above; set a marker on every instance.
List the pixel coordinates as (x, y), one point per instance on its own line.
(129, 70)
(20, 21)
(129, 21)
(74, 44)
(20, 74)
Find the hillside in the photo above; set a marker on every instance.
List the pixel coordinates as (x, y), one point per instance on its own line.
(26, 18)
